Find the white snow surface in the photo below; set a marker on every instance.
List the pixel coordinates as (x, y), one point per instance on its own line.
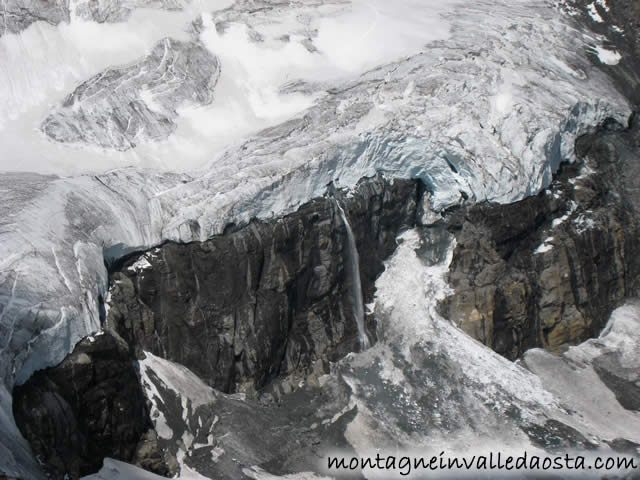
(42, 64)
(116, 470)
(499, 89)
(472, 377)
(545, 246)
(608, 57)
(472, 390)
(177, 378)
(572, 379)
(593, 12)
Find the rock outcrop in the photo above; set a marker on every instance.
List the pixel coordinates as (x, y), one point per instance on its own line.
(265, 299)
(616, 27)
(270, 299)
(17, 15)
(220, 435)
(267, 304)
(122, 106)
(107, 11)
(89, 407)
(548, 270)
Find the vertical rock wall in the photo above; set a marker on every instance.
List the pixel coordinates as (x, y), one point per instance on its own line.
(263, 300)
(548, 271)
(89, 407)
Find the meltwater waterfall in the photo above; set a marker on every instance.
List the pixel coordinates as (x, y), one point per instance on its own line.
(353, 266)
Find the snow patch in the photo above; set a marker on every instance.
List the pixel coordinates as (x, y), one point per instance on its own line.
(608, 57)
(560, 220)
(139, 265)
(180, 379)
(593, 13)
(545, 246)
(117, 470)
(584, 223)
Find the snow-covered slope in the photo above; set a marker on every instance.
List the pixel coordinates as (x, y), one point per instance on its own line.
(478, 99)
(594, 374)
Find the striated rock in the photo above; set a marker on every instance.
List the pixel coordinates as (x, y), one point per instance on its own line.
(17, 15)
(622, 381)
(263, 300)
(107, 11)
(548, 270)
(278, 15)
(122, 106)
(88, 407)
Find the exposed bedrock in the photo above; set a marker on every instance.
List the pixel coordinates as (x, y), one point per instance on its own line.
(616, 23)
(271, 301)
(548, 270)
(263, 300)
(17, 15)
(218, 435)
(123, 106)
(89, 407)
(106, 11)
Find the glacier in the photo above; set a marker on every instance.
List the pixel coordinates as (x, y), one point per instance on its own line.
(480, 100)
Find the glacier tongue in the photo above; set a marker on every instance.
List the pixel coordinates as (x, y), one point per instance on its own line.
(485, 113)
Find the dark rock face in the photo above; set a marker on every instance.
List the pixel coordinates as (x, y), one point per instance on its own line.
(220, 435)
(135, 103)
(270, 302)
(619, 29)
(549, 270)
(623, 382)
(88, 407)
(263, 300)
(556, 437)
